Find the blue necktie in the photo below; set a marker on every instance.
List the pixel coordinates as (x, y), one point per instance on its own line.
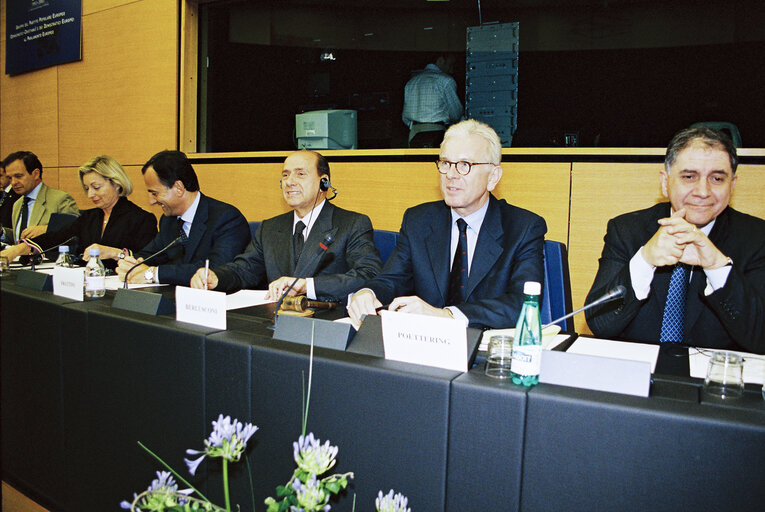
(458, 276)
(673, 322)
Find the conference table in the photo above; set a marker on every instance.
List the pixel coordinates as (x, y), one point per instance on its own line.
(83, 382)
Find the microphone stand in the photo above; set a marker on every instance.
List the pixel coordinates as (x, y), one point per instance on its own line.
(613, 294)
(181, 239)
(323, 246)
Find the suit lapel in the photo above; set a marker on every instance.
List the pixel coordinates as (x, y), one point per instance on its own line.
(438, 245)
(39, 207)
(281, 246)
(198, 229)
(488, 247)
(321, 228)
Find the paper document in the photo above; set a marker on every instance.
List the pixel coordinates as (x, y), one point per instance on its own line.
(754, 364)
(616, 350)
(246, 299)
(550, 337)
(114, 283)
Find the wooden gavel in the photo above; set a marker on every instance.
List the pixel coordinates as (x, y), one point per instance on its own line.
(301, 304)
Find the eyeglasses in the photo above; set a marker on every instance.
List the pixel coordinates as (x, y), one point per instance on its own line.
(462, 167)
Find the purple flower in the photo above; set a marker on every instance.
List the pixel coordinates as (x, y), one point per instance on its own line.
(391, 503)
(310, 496)
(162, 492)
(228, 440)
(313, 457)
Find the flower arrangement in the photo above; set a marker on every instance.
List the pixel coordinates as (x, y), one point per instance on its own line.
(306, 491)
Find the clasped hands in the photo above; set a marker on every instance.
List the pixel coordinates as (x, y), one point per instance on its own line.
(677, 240)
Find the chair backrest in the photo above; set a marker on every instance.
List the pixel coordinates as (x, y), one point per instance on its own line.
(556, 296)
(59, 221)
(253, 227)
(385, 241)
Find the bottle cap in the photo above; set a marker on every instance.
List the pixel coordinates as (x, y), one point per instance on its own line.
(532, 288)
(63, 248)
(94, 252)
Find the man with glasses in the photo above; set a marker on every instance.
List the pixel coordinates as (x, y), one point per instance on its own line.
(467, 256)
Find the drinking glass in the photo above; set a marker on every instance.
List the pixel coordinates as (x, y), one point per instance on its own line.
(500, 356)
(725, 376)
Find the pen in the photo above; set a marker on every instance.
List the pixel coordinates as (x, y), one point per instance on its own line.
(207, 271)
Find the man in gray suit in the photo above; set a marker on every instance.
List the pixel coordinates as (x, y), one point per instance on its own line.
(32, 210)
(288, 246)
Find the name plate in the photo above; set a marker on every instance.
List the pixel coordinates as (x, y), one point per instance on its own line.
(200, 307)
(427, 340)
(69, 283)
(595, 372)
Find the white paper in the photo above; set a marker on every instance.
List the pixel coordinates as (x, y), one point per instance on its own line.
(426, 340)
(550, 337)
(69, 283)
(114, 283)
(616, 349)
(754, 364)
(200, 307)
(246, 299)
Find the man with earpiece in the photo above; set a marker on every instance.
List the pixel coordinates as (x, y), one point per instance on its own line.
(287, 246)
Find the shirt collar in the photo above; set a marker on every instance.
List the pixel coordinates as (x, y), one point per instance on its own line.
(475, 219)
(309, 220)
(188, 215)
(33, 194)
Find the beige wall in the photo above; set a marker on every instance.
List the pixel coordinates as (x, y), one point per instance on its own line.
(122, 100)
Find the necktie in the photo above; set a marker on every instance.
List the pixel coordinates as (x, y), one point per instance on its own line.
(297, 240)
(23, 216)
(458, 276)
(673, 322)
(180, 227)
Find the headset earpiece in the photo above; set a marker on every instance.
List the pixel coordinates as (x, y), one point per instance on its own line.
(324, 184)
(280, 183)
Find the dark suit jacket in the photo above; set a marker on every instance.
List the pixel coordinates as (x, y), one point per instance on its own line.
(349, 262)
(732, 317)
(508, 253)
(6, 206)
(218, 232)
(129, 227)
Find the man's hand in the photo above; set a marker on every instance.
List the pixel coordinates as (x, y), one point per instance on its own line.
(362, 303)
(414, 304)
(33, 231)
(136, 276)
(664, 248)
(15, 251)
(277, 287)
(198, 280)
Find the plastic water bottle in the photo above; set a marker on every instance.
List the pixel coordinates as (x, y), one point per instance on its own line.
(527, 346)
(95, 280)
(64, 258)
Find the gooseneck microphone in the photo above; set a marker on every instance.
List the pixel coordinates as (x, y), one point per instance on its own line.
(323, 246)
(614, 293)
(36, 258)
(182, 239)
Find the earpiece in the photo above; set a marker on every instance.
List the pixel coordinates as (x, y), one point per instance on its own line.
(324, 184)
(280, 183)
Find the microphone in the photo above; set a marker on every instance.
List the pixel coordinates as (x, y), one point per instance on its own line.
(182, 239)
(34, 259)
(614, 293)
(323, 246)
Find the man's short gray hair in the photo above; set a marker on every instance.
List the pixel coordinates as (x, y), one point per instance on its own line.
(472, 127)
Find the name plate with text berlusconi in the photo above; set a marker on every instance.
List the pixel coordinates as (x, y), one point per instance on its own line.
(200, 307)
(427, 340)
(69, 282)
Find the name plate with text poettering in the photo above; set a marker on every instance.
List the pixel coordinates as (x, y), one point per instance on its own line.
(69, 282)
(427, 340)
(200, 307)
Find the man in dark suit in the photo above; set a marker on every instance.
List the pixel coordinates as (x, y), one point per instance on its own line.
(502, 243)
(207, 228)
(693, 268)
(286, 246)
(8, 196)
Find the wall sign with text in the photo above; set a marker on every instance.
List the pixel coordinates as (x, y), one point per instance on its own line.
(42, 33)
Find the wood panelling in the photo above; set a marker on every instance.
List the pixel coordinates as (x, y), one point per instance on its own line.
(92, 6)
(599, 192)
(749, 192)
(122, 98)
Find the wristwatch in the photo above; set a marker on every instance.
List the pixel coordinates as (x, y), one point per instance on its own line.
(149, 275)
